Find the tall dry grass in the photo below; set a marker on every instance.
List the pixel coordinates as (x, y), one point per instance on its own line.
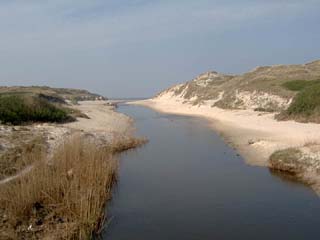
(64, 199)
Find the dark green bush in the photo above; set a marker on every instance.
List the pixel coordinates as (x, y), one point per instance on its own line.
(306, 102)
(17, 109)
(305, 106)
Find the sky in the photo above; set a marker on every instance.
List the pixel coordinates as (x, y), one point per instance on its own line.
(136, 48)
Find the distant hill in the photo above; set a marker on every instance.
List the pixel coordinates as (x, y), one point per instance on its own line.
(64, 93)
(268, 88)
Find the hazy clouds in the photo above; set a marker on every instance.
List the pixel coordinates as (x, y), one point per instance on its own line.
(136, 48)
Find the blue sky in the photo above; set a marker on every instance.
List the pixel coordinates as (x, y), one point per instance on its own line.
(135, 48)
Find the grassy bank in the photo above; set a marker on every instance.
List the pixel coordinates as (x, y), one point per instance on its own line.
(65, 198)
(24, 108)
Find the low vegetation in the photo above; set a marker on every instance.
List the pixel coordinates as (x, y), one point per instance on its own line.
(298, 85)
(298, 163)
(286, 160)
(16, 158)
(305, 106)
(22, 108)
(64, 198)
(63, 93)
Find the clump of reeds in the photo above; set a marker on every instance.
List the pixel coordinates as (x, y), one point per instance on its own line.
(122, 143)
(65, 198)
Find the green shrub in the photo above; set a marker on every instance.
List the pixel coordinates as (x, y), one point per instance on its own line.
(298, 85)
(305, 106)
(306, 102)
(17, 109)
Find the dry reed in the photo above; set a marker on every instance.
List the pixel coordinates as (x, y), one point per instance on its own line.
(63, 199)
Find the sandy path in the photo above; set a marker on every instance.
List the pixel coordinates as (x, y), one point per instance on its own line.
(256, 136)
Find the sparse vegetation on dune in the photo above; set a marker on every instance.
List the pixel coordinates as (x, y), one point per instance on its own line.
(64, 198)
(264, 89)
(268, 87)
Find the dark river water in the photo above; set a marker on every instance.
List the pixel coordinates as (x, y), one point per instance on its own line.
(186, 183)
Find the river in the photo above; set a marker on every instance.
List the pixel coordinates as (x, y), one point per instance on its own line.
(187, 183)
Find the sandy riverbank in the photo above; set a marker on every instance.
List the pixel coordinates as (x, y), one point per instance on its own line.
(103, 119)
(256, 136)
(104, 125)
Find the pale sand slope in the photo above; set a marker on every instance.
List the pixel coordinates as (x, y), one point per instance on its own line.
(103, 118)
(104, 124)
(255, 136)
